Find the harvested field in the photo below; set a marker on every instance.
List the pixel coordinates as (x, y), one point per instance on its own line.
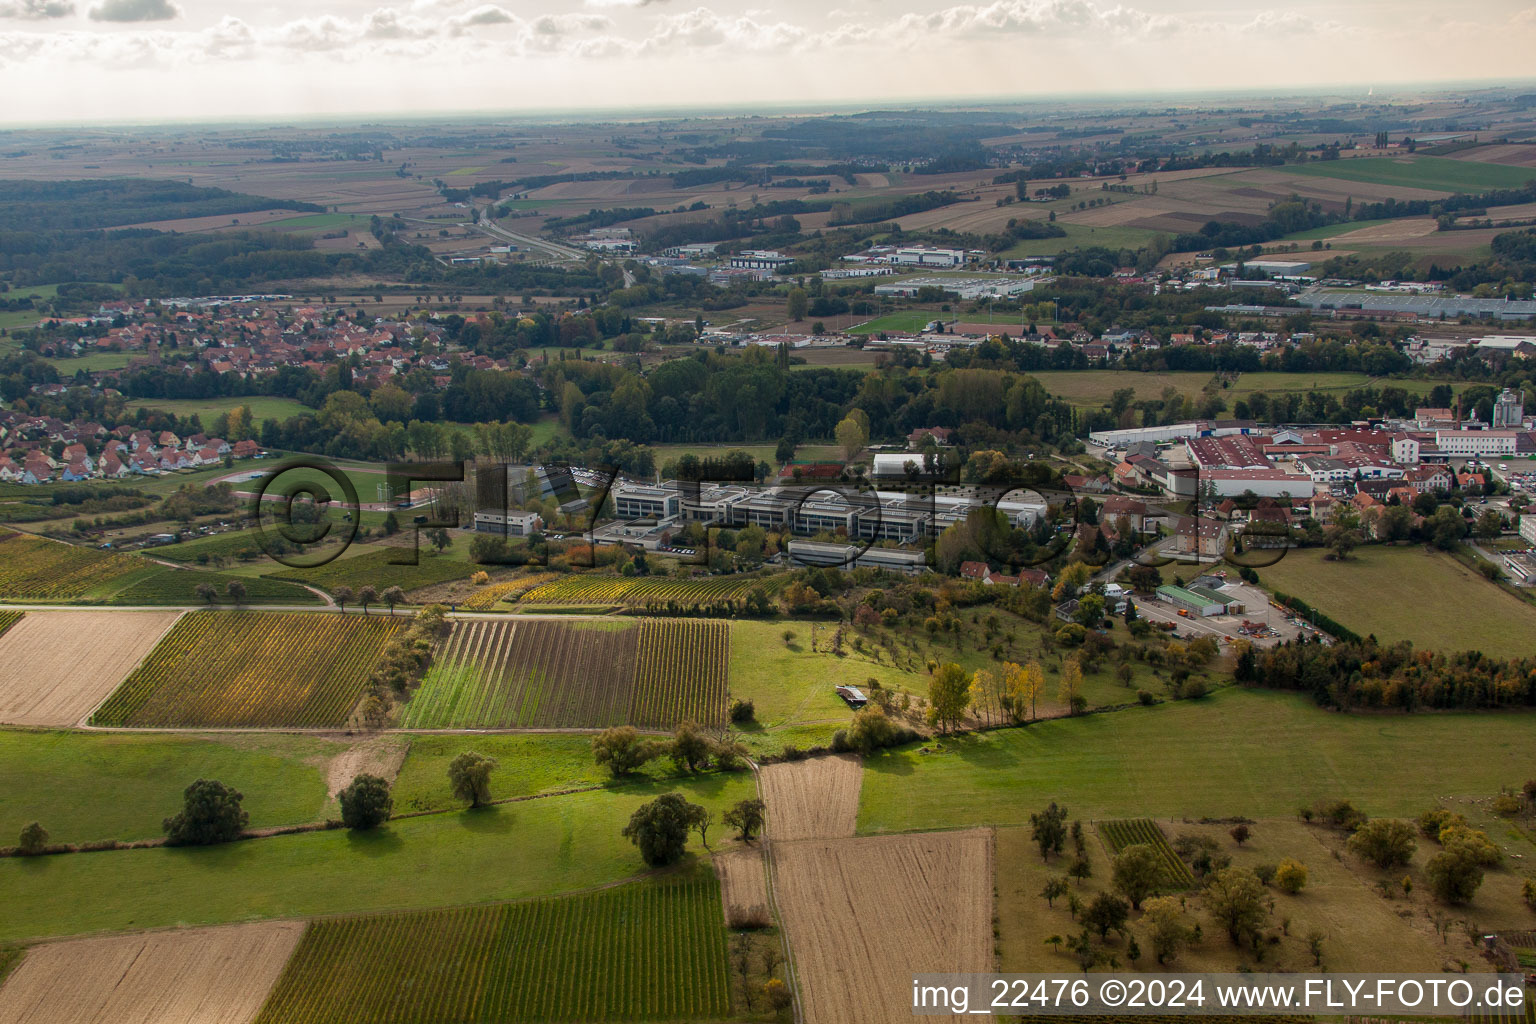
(196, 976)
(813, 799)
(533, 673)
(57, 666)
(743, 882)
(864, 915)
(253, 669)
(1514, 154)
(1388, 233)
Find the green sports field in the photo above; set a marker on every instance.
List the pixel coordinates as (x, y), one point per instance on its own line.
(908, 321)
(1428, 172)
(1408, 593)
(1237, 752)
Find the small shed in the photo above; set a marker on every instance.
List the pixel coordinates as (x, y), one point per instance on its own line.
(853, 695)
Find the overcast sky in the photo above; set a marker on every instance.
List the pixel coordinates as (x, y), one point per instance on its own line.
(95, 60)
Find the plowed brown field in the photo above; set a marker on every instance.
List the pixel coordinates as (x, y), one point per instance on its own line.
(812, 799)
(743, 880)
(864, 915)
(196, 976)
(55, 667)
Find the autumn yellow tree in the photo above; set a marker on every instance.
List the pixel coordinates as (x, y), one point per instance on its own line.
(1071, 692)
(1023, 686)
(1073, 578)
(985, 693)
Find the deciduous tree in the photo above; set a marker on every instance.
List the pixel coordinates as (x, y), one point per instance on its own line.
(365, 803)
(211, 813)
(470, 776)
(659, 829)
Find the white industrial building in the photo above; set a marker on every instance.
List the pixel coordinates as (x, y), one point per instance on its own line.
(1462, 443)
(928, 256)
(760, 259)
(1266, 483)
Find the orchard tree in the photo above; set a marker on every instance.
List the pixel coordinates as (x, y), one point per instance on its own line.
(1138, 871)
(1385, 842)
(948, 695)
(1106, 912)
(1237, 901)
(343, 595)
(392, 597)
(1048, 829)
(367, 596)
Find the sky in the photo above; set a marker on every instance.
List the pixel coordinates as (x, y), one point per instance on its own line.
(88, 61)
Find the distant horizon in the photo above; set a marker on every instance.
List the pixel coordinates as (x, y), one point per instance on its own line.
(1386, 93)
(109, 62)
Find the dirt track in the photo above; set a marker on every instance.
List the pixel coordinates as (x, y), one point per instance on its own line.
(195, 976)
(863, 915)
(55, 667)
(813, 799)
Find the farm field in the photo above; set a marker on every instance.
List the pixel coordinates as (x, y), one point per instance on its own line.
(172, 977)
(122, 785)
(511, 851)
(252, 669)
(263, 407)
(1238, 751)
(651, 592)
(743, 880)
(33, 569)
(542, 673)
(649, 950)
(813, 799)
(491, 594)
(527, 673)
(1081, 236)
(374, 569)
(55, 667)
(527, 764)
(1440, 603)
(863, 915)
(680, 673)
(1428, 172)
(1093, 388)
(179, 586)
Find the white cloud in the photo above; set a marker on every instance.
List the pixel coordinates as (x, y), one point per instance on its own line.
(622, 3)
(135, 10)
(37, 10)
(702, 28)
